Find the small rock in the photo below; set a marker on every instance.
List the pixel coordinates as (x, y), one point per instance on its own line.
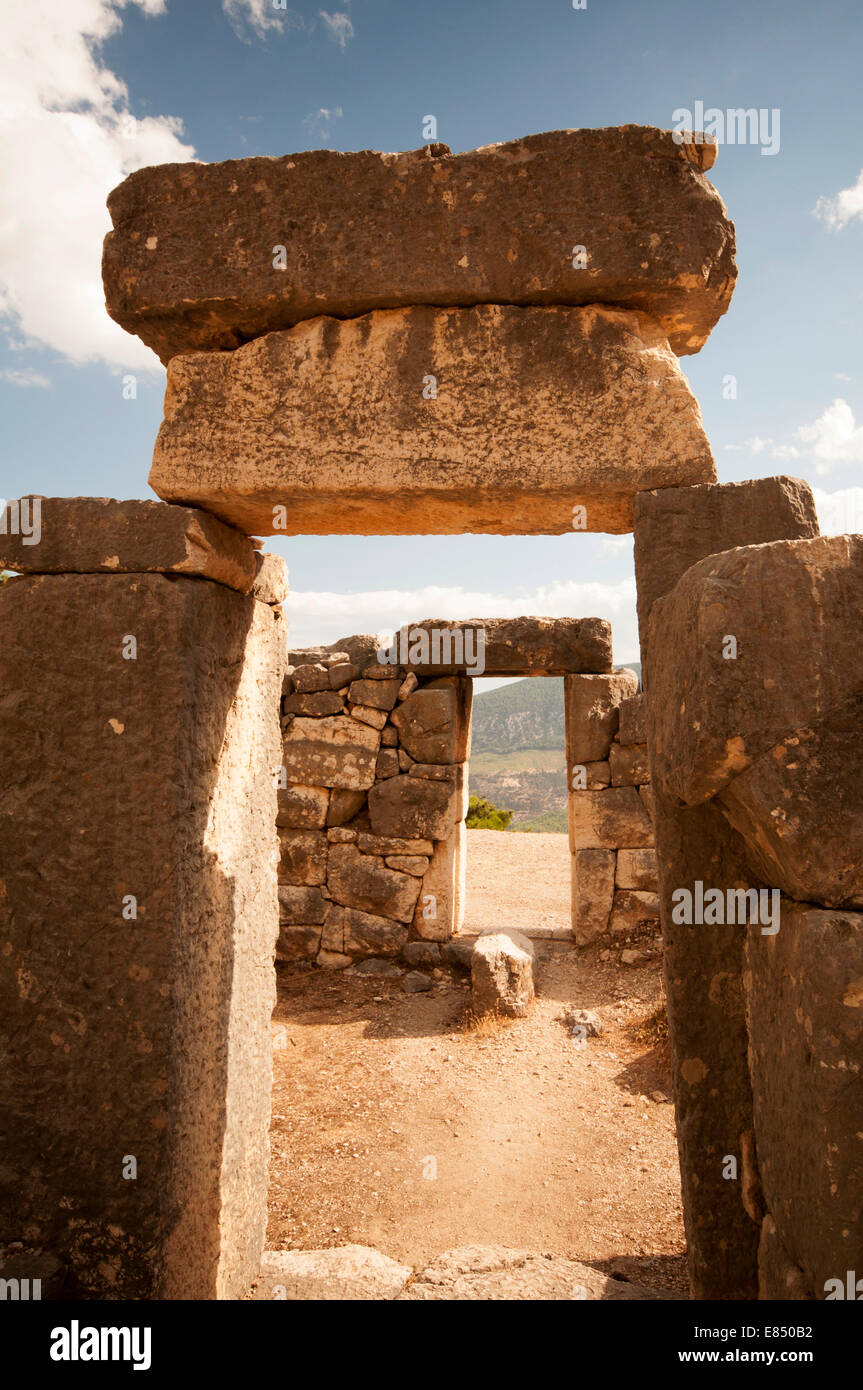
(421, 953)
(582, 1018)
(458, 952)
(659, 1096)
(415, 982)
(387, 969)
(633, 957)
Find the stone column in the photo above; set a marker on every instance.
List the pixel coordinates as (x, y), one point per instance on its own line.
(703, 966)
(138, 920)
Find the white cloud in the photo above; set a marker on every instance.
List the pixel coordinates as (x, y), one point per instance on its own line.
(834, 437)
(320, 618)
(24, 377)
(68, 138)
(261, 16)
(839, 512)
(318, 123)
(755, 444)
(339, 27)
(837, 212)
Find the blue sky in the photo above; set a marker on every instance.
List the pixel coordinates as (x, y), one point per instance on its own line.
(215, 80)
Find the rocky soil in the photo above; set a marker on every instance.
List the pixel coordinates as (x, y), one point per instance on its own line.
(397, 1126)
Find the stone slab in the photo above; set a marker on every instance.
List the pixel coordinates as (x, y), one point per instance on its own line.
(509, 646)
(98, 535)
(543, 420)
(591, 711)
(360, 231)
(146, 1036)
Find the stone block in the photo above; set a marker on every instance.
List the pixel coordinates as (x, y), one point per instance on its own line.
(440, 906)
(367, 934)
(330, 418)
(362, 881)
(413, 808)
(344, 805)
(433, 722)
(607, 819)
(633, 720)
(629, 765)
(309, 676)
(633, 911)
(302, 808)
(506, 647)
(96, 535)
(300, 906)
(591, 710)
(271, 578)
(368, 231)
(315, 704)
(303, 857)
(592, 892)
(636, 868)
(297, 943)
(136, 1021)
(501, 975)
(379, 694)
(335, 751)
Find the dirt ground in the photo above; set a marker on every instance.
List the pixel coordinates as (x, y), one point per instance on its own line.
(395, 1127)
(517, 878)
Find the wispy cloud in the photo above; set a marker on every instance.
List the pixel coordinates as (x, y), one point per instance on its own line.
(833, 439)
(25, 377)
(318, 123)
(837, 212)
(839, 513)
(261, 17)
(339, 27)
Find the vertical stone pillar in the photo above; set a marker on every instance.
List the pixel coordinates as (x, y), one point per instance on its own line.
(703, 966)
(138, 919)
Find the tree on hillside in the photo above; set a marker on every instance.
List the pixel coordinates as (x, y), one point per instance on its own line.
(482, 815)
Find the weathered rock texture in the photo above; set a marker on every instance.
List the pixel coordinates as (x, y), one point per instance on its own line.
(536, 412)
(507, 646)
(194, 261)
(96, 535)
(763, 1022)
(501, 974)
(610, 831)
(137, 925)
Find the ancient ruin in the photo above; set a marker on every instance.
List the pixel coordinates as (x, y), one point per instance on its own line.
(401, 344)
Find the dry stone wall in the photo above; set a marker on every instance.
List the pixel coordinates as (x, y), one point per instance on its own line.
(614, 876)
(371, 807)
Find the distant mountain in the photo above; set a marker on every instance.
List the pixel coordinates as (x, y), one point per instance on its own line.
(517, 750)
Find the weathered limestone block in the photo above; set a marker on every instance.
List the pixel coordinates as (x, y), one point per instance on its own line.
(501, 974)
(703, 968)
(591, 710)
(375, 718)
(98, 535)
(316, 703)
(362, 881)
(368, 231)
(592, 892)
(142, 787)
(537, 411)
(798, 808)
(297, 943)
(677, 527)
(271, 578)
(300, 906)
(303, 808)
(629, 765)
(596, 776)
(387, 764)
(633, 720)
(636, 868)
(772, 599)
(508, 646)
(344, 805)
(413, 807)
(392, 844)
(609, 818)
(440, 906)
(346, 1273)
(433, 723)
(415, 864)
(366, 934)
(805, 1018)
(335, 751)
(303, 857)
(379, 694)
(309, 676)
(632, 911)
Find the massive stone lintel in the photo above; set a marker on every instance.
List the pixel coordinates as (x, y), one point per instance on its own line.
(704, 965)
(433, 421)
(507, 647)
(97, 535)
(208, 256)
(138, 922)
